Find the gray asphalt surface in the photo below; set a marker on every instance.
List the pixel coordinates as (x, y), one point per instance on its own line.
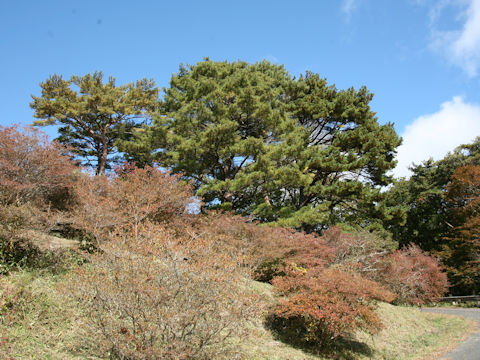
(470, 349)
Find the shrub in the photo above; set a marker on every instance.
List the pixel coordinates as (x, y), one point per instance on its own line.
(128, 198)
(359, 251)
(32, 169)
(154, 295)
(265, 249)
(320, 297)
(413, 276)
(15, 248)
(324, 304)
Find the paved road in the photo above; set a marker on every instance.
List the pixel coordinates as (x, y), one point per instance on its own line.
(470, 349)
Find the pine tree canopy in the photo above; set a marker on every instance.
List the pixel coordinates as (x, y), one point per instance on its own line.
(253, 139)
(93, 115)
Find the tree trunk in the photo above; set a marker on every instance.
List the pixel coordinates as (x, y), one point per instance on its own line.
(102, 160)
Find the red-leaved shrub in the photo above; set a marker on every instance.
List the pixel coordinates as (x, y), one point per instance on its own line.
(32, 169)
(321, 296)
(104, 205)
(36, 178)
(162, 283)
(319, 305)
(266, 249)
(412, 275)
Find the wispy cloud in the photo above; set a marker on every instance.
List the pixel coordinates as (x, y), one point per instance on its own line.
(348, 7)
(460, 47)
(273, 59)
(434, 135)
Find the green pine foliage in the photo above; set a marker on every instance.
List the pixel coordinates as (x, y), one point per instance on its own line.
(296, 152)
(93, 114)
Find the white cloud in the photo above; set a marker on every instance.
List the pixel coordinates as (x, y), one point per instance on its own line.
(348, 6)
(434, 135)
(271, 58)
(460, 47)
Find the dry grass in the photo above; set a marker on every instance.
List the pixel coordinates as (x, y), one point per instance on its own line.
(408, 334)
(38, 322)
(412, 334)
(45, 242)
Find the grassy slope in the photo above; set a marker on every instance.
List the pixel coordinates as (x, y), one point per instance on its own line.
(408, 334)
(38, 322)
(411, 334)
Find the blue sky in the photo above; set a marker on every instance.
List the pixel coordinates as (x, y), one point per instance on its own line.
(421, 58)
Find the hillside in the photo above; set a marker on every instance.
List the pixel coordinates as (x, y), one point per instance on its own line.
(38, 321)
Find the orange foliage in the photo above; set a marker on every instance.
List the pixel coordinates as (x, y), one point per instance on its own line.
(163, 284)
(105, 205)
(415, 277)
(462, 248)
(330, 302)
(268, 249)
(35, 177)
(32, 168)
(412, 275)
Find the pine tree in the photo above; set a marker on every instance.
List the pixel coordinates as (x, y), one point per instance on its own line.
(255, 140)
(96, 115)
